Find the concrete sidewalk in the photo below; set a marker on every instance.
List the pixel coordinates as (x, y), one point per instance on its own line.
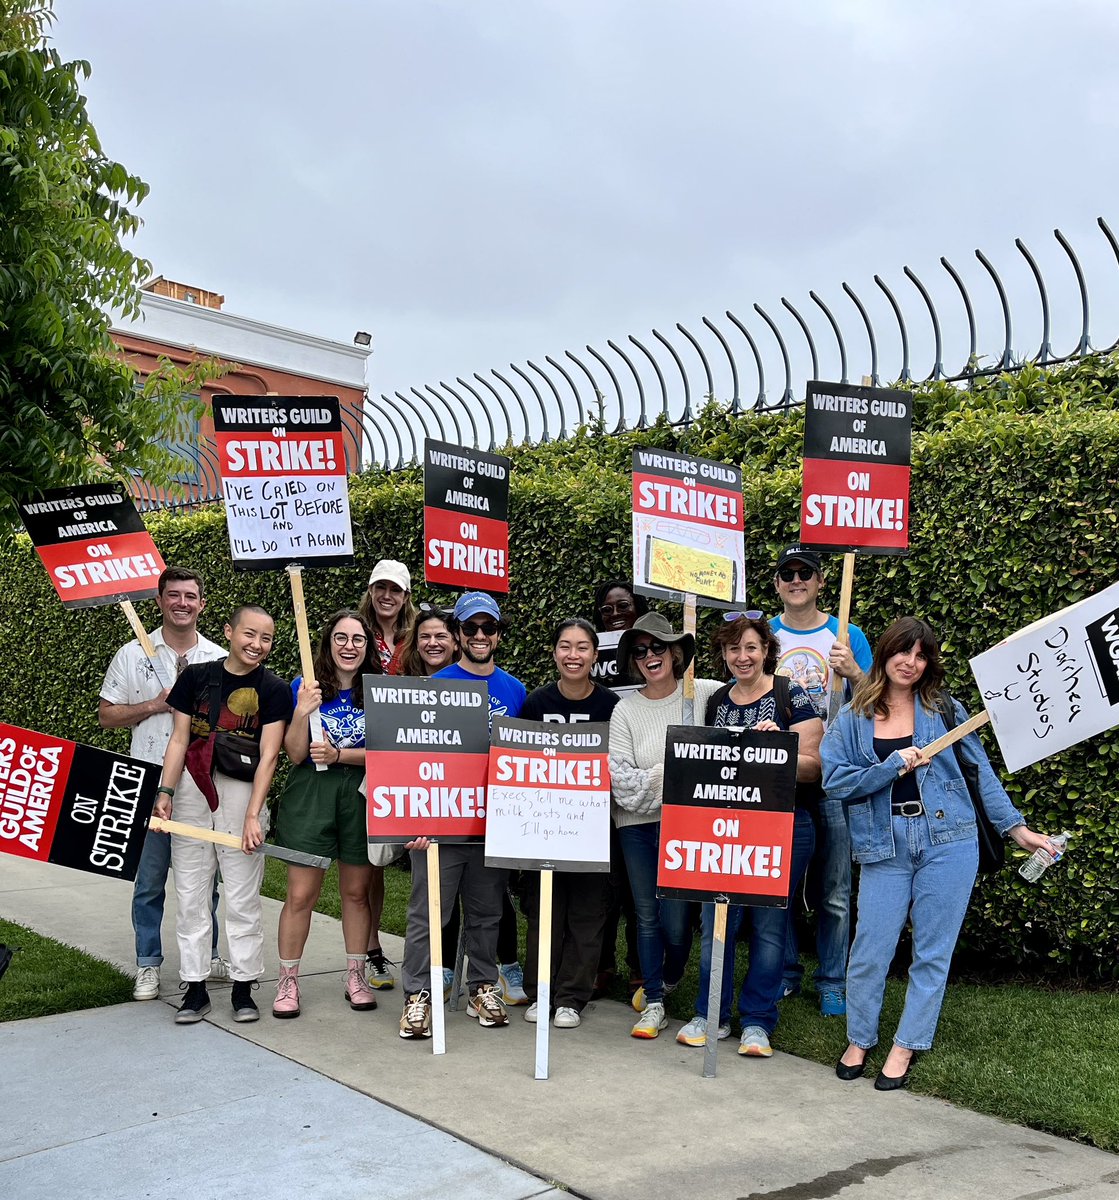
(619, 1118)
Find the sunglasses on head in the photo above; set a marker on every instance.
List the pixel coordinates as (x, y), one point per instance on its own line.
(487, 628)
(751, 614)
(433, 610)
(788, 574)
(645, 648)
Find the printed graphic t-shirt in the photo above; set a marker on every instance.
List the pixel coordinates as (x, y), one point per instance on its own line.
(342, 721)
(548, 703)
(803, 657)
(507, 693)
(248, 702)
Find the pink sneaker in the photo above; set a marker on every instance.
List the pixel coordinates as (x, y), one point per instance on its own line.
(287, 994)
(358, 992)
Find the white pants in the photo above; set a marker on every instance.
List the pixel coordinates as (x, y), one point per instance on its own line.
(195, 864)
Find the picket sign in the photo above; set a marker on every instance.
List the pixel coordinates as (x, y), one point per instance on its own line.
(199, 833)
(689, 627)
(145, 641)
(306, 659)
(715, 989)
(544, 975)
(435, 945)
(842, 636)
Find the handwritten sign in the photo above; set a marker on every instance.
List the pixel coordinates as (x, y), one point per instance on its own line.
(1054, 683)
(727, 820)
(549, 802)
(856, 469)
(283, 474)
(466, 517)
(687, 528)
(93, 544)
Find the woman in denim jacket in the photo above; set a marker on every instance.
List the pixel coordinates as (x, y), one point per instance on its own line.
(913, 832)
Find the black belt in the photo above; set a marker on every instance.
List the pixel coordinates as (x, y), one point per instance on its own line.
(911, 808)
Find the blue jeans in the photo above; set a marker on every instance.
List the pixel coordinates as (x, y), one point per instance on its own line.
(761, 989)
(931, 885)
(831, 871)
(148, 894)
(664, 933)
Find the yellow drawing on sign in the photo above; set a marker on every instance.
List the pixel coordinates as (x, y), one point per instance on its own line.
(686, 569)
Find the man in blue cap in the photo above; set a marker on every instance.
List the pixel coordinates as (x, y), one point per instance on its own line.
(477, 626)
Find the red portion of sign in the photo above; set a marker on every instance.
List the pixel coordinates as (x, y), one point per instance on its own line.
(34, 768)
(720, 850)
(122, 565)
(855, 505)
(567, 770)
(698, 503)
(420, 794)
(466, 551)
(256, 454)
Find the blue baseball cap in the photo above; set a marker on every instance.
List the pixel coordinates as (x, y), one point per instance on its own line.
(470, 604)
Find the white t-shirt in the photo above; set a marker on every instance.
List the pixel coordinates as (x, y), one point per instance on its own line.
(131, 679)
(803, 655)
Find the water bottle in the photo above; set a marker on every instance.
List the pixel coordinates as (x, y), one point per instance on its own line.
(1036, 865)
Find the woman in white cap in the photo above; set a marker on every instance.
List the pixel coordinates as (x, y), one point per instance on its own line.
(387, 607)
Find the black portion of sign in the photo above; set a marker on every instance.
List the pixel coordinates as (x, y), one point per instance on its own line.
(466, 481)
(727, 768)
(1103, 641)
(436, 716)
(684, 468)
(103, 818)
(857, 424)
(79, 513)
(587, 737)
(295, 414)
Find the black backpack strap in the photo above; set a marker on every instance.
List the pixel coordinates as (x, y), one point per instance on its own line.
(947, 710)
(783, 697)
(215, 692)
(713, 702)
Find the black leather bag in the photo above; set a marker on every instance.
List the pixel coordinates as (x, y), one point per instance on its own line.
(992, 848)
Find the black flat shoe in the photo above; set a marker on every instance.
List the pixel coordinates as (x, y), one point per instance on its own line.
(848, 1073)
(893, 1083)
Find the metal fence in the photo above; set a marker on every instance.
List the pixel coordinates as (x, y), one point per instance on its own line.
(631, 382)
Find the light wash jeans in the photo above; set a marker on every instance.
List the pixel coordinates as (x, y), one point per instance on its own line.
(931, 885)
(664, 933)
(148, 895)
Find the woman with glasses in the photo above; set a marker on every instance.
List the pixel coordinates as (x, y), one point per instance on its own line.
(323, 812)
(387, 608)
(757, 698)
(659, 655)
(428, 646)
(913, 833)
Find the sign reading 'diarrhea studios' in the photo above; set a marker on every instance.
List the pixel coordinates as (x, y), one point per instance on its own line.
(466, 517)
(283, 475)
(93, 544)
(549, 796)
(856, 469)
(69, 804)
(426, 751)
(727, 818)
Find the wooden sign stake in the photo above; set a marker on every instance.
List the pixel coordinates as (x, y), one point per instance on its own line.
(847, 583)
(306, 659)
(544, 975)
(715, 989)
(689, 627)
(435, 945)
(145, 641)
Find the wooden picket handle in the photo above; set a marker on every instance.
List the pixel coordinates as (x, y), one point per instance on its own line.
(145, 641)
(233, 842)
(689, 627)
(435, 948)
(846, 586)
(306, 658)
(544, 975)
(956, 734)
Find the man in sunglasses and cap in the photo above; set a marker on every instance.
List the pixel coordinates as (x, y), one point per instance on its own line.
(477, 626)
(812, 656)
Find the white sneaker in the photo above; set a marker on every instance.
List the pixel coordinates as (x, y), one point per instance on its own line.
(755, 1042)
(219, 970)
(530, 1013)
(147, 984)
(652, 1021)
(567, 1018)
(695, 1032)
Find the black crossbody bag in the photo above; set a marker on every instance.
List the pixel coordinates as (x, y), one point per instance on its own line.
(237, 757)
(992, 848)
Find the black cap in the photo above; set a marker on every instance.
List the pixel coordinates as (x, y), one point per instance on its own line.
(798, 554)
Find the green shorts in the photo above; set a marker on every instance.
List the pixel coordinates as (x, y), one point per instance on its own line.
(322, 812)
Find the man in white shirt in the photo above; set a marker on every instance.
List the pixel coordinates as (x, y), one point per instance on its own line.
(134, 696)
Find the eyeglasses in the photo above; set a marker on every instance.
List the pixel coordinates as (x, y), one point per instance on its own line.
(788, 574)
(751, 614)
(486, 628)
(645, 648)
(357, 640)
(610, 610)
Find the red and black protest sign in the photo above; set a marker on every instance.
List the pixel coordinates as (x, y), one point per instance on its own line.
(727, 819)
(549, 796)
(93, 544)
(466, 517)
(856, 469)
(69, 804)
(283, 473)
(426, 753)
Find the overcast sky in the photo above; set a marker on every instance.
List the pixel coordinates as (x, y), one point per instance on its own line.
(477, 183)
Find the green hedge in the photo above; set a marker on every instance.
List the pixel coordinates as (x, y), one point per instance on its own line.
(1013, 517)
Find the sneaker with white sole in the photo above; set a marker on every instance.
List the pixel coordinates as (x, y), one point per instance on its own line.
(755, 1042)
(147, 984)
(241, 997)
(695, 1032)
(651, 1022)
(530, 1013)
(639, 1001)
(487, 1005)
(415, 1020)
(511, 981)
(219, 970)
(567, 1018)
(195, 1005)
(377, 971)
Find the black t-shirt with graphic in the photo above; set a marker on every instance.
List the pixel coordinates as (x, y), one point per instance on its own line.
(248, 702)
(548, 703)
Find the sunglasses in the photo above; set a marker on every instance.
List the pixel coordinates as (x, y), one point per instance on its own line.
(486, 628)
(788, 574)
(751, 614)
(645, 648)
(623, 606)
(433, 610)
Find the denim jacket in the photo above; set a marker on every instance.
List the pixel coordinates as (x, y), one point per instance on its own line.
(854, 776)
